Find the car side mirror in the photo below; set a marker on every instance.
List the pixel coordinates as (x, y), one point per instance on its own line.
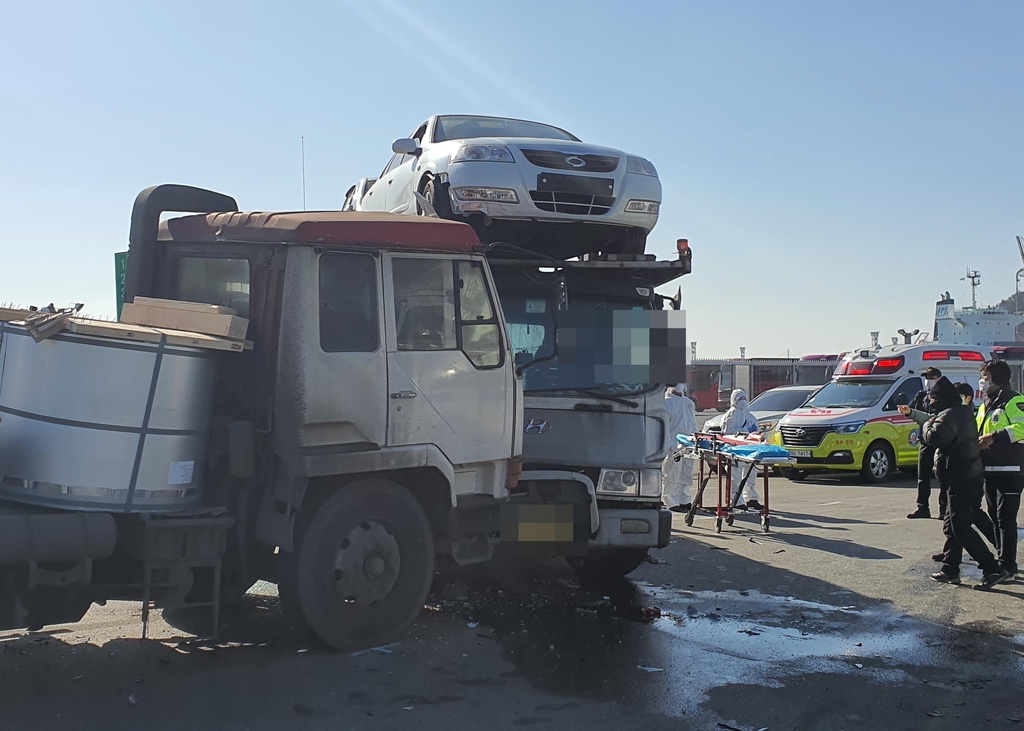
(406, 147)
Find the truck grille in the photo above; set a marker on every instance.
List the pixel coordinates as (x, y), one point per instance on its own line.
(578, 203)
(803, 436)
(557, 161)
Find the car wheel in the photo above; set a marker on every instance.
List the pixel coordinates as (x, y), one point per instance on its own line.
(879, 462)
(364, 566)
(437, 196)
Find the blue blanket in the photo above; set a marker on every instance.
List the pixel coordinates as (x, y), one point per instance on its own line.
(755, 451)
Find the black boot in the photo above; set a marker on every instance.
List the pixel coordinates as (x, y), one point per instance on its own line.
(921, 512)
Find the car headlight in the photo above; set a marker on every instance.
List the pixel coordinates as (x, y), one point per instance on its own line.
(618, 482)
(482, 153)
(850, 428)
(765, 425)
(637, 206)
(640, 166)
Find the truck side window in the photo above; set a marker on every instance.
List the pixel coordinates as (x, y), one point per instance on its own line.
(213, 281)
(424, 293)
(479, 330)
(348, 303)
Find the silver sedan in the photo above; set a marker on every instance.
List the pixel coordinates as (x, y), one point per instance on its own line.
(525, 176)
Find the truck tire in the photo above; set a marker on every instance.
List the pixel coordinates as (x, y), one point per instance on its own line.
(364, 566)
(607, 563)
(879, 462)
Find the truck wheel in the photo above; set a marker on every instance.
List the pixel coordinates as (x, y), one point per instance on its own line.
(607, 563)
(437, 195)
(364, 566)
(879, 462)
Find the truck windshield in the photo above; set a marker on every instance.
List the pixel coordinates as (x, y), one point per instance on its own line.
(531, 328)
(850, 394)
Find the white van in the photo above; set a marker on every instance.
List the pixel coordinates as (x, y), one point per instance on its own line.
(852, 423)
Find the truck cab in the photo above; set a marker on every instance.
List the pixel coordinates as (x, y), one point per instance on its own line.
(590, 440)
(375, 422)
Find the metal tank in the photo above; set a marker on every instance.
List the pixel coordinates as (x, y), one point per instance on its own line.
(90, 423)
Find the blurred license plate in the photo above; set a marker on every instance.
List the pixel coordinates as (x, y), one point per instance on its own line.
(800, 452)
(544, 530)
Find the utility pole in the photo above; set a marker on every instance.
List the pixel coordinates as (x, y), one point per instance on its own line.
(302, 141)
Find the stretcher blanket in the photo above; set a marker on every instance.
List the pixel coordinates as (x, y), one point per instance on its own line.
(758, 451)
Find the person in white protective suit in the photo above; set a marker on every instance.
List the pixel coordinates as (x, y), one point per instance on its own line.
(677, 477)
(739, 420)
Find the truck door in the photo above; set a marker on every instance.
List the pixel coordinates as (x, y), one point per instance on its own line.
(450, 377)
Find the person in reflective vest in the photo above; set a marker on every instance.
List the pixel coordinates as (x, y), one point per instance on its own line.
(1001, 429)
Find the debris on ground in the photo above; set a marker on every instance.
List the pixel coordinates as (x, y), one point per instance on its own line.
(651, 612)
(650, 669)
(754, 540)
(656, 560)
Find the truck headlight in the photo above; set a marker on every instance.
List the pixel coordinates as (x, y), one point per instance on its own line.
(482, 153)
(638, 206)
(850, 428)
(640, 166)
(650, 483)
(618, 482)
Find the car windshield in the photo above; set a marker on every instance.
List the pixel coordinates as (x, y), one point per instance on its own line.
(850, 394)
(468, 128)
(531, 329)
(781, 400)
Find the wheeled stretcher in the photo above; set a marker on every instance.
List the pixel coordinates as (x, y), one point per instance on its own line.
(723, 455)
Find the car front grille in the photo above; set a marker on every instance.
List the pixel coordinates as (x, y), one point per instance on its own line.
(576, 203)
(558, 161)
(803, 436)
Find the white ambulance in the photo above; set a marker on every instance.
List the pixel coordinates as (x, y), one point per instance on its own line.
(852, 423)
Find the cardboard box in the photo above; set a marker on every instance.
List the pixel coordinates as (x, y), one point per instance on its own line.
(174, 318)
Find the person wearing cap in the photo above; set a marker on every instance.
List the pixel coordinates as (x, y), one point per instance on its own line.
(677, 475)
(926, 454)
(953, 434)
(1001, 426)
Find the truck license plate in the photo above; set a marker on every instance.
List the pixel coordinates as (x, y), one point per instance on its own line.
(800, 452)
(544, 530)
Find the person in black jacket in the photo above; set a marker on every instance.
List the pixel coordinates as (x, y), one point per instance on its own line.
(953, 433)
(926, 455)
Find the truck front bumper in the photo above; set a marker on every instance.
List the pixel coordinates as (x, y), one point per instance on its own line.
(633, 528)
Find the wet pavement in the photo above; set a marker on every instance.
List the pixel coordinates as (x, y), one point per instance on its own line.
(828, 622)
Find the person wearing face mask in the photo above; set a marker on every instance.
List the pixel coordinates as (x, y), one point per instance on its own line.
(1001, 426)
(677, 476)
(953, 433)
(739, 420)
(925, 454)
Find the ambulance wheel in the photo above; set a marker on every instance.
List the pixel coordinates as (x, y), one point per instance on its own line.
(718, 525)
(793, 474)
(363, 567)
(879, 462)
(607, 563)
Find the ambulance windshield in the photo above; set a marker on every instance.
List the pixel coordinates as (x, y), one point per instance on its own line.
(850, 394)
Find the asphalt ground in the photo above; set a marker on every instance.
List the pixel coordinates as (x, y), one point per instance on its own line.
(828, 622)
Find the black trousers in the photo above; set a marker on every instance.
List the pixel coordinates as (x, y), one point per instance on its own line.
(1002, 499)
(963, 502)
(925, 465)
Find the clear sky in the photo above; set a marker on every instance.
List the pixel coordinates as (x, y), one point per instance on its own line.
(835, 165)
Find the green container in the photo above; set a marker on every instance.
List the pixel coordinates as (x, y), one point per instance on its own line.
(120, 271)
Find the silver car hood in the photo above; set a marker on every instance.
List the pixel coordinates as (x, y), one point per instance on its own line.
(758, 415)
(535, 143)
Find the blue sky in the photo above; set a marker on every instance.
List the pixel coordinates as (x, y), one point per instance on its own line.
(835, 165)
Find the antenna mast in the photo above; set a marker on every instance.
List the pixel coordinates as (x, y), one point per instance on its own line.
(974, 277)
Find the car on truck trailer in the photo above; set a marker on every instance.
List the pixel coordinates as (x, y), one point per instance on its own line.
(376, 422)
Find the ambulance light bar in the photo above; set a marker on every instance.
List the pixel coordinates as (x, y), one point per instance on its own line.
(968, 355)
(880, 367)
